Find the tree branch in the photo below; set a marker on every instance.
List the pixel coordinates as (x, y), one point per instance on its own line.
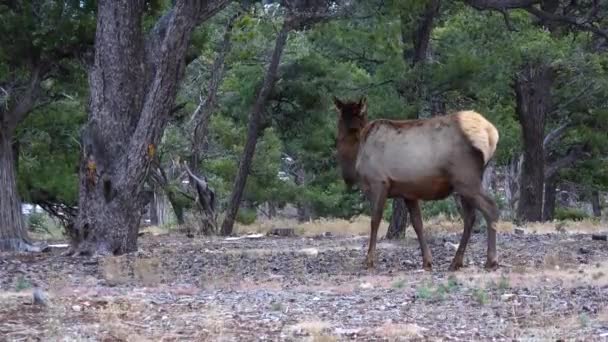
(26, 102)
(167, 67)
(584, 26)
(556, 134)
(500, 4)
(575, 154)
(204, 110)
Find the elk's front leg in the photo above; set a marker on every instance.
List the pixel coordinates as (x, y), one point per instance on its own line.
(416, 217)
(378, 195)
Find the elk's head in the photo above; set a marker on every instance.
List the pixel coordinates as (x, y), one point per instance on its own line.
(352, 118)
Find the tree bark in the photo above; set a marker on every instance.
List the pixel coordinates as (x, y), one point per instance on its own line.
(13, 233)
(133, 84)
(422, 34)
(253, 131)
(399, 220)
(595, 203)
(206, 195)
(532, 89)
(550, 196)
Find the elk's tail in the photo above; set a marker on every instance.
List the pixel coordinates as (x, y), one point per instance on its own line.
(480, 132)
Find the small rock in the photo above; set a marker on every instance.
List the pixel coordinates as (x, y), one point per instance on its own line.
(39, 297)
(507, 296)
(519, 231)
(348, 332)
(583, 250)
(76, 308)
(310, 251)
(366, 285)
(454, 246)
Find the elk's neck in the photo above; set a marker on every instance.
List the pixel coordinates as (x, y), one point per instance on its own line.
(348, 148)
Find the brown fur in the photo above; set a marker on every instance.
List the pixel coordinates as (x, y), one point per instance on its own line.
(424, 159)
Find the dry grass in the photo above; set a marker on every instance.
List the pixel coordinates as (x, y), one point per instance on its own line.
(360, 226)
(568, 276)
(315, 330)
(568, 226)
(400, 332)
(357, 226)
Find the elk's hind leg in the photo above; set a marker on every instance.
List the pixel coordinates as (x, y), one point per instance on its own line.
(468, 211)
(416, 217)
(490, 211)
(377, 195)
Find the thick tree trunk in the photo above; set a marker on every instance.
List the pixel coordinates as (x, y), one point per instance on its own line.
(133, 83)
(421, 36)
(595, 203)
(253, 132)
(399, 220)
(13, 233)
(550, 196)
(533, 96)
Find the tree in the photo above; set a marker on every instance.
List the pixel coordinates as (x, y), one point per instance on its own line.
(38, 39)
(300, 14)
(532, 88)
(133, 83)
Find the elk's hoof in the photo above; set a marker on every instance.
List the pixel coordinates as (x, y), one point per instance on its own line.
(491, 265)
(455, 265)
(427, 266)
(369, 263)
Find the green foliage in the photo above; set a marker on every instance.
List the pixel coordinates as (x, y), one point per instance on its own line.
(49, 152)
(434, 208)
(480, 296)
(246, 216)
(572, 214)
(22, 283)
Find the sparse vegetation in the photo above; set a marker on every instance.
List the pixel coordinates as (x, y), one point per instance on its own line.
(480, 296)
(146, 130)
(571, 214)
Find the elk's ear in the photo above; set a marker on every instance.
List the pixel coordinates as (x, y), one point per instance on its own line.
(337, 102)
(363, 105)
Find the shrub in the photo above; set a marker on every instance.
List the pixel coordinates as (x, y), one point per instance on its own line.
(246, 216)
(435, 208)
(573, 214)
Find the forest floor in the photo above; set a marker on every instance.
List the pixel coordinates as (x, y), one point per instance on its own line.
(550, 286)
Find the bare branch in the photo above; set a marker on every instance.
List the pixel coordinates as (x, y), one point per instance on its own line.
(556, 134)
(575, 154)
(26, 102)
(572, 21)
(205, 108)
(500, 4)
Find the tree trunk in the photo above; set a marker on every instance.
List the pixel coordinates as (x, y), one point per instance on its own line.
(13, 233)
(533, 96)
(253, 131)
(133, 84)
(152, 210)
(399, 220)
(595, 203)
(550, 195)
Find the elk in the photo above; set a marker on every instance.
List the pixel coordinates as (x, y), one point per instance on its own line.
(422, 159)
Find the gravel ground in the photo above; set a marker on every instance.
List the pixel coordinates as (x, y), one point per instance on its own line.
(549, 287)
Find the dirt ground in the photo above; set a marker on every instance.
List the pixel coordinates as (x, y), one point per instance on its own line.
(549, 287)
